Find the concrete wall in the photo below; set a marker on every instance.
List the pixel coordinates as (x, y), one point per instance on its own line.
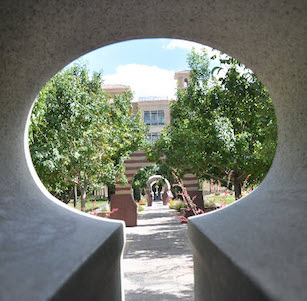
(252, 250)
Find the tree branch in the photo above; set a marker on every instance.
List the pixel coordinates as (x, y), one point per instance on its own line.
(219, 167)
(68, 178)
(217, 178)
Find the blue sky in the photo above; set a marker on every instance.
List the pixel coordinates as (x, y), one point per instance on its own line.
(146, 65)
(152, 52)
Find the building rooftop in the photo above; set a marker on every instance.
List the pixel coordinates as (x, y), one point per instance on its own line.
(114, 86)
(183, 71)
(153, 98)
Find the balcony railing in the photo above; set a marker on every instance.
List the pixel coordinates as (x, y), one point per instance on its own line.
(151, 98)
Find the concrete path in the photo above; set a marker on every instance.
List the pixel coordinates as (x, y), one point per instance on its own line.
(158, 263)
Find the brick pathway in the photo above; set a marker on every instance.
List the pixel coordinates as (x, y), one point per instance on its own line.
(158, 263)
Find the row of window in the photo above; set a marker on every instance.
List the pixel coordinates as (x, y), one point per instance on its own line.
(154, 117)
(153, 137)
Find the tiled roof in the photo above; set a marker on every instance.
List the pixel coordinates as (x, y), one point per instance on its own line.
(183, 71)
(115, 86)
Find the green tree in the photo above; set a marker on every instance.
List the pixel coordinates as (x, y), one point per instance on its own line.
(79, 136)
(219, 125)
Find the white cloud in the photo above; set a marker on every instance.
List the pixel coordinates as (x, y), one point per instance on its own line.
(144, 80)
(184, 45)
(173, 44)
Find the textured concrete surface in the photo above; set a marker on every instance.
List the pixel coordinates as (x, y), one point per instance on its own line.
(47, 249)
(158, 262)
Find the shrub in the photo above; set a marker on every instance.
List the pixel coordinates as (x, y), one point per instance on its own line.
(143, 200)
(105, 206)
(140, 208)
(96, 198)
(177, 204)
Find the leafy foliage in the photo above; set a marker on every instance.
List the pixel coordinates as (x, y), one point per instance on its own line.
(220, 124)
(79, 136)
(140, 179)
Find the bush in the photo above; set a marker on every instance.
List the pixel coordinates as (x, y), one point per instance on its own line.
(105, 206)
(177, 204)
(96, 198)
(143, 200)
(140, 208)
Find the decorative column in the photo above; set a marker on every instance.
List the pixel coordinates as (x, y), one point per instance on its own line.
(126, 206)
(122, 199)
(191, 183)
(149, 197)
(167, 196)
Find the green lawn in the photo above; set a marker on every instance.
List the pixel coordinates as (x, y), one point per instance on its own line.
(221, 199)
(88, 204)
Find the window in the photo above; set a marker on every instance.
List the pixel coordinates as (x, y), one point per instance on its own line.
(154, 137)
(147, 117)
(154, 117)
(185, 83)
(161, 117)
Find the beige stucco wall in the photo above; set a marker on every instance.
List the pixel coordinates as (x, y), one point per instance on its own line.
(156, 105)
(181, 77)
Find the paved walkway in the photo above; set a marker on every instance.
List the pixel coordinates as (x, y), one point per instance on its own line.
(158, 263)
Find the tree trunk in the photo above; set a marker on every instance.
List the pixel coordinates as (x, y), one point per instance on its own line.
(111, 190)
(75, 196)
(237, 187)
(83, 196)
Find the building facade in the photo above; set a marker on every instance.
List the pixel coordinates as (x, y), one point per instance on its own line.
(156, 114)
(155, 109)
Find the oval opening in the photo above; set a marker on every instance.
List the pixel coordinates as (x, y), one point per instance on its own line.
(203, 115)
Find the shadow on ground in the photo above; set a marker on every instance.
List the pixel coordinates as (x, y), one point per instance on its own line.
(158, 296)
(158, 263)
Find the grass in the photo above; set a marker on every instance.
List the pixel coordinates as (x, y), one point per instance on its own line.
(221, 199)
(88, 204)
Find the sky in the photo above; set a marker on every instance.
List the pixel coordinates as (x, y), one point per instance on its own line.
(146, 65)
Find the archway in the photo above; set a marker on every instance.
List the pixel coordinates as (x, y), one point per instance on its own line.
(123, 201)
(158, 194)
(42, 240)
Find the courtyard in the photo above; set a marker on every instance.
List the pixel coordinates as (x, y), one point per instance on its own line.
(158, 261)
